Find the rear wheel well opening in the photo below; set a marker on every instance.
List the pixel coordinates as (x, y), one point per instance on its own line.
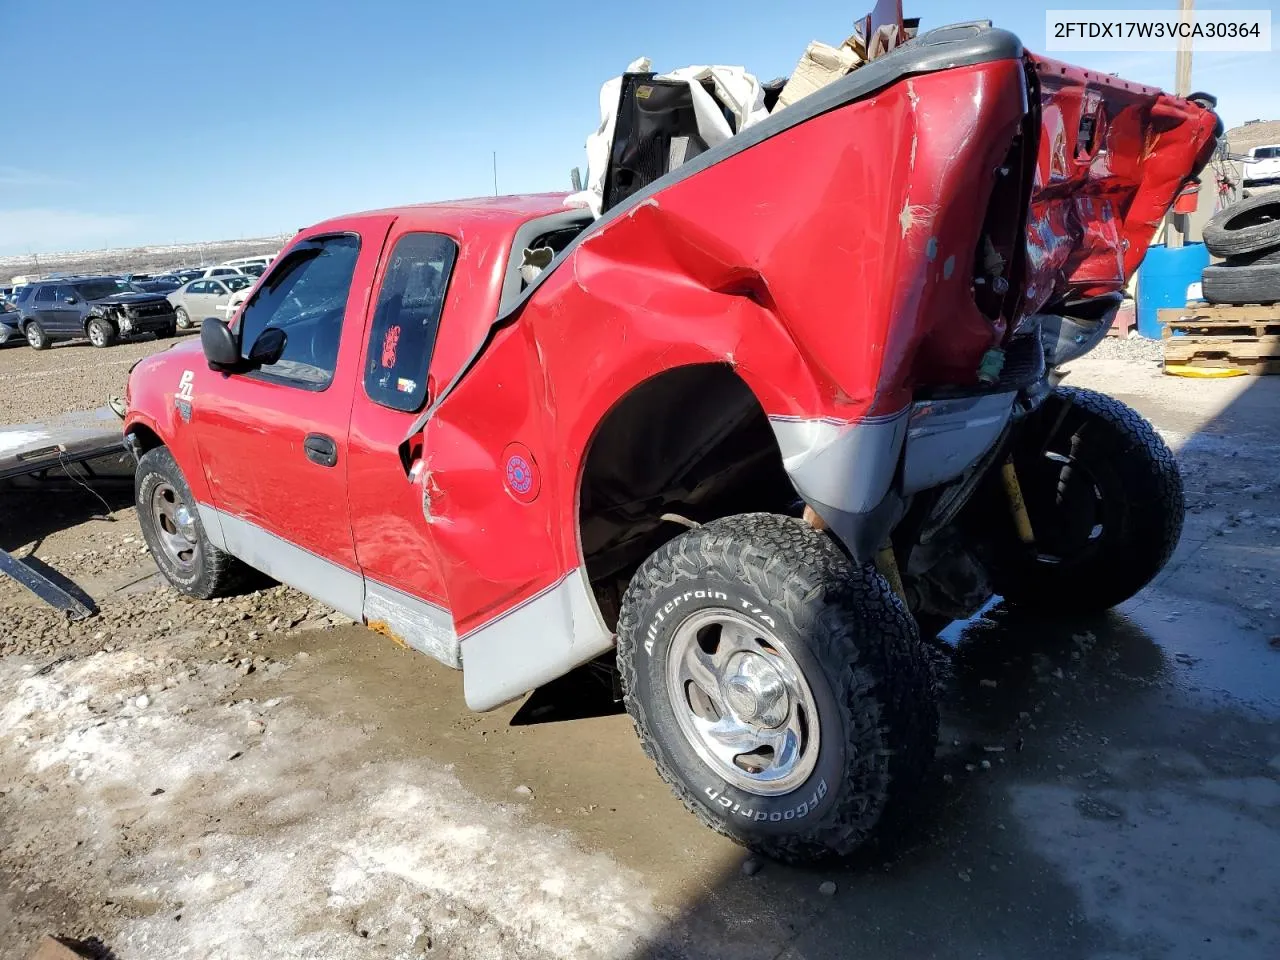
(690, 445)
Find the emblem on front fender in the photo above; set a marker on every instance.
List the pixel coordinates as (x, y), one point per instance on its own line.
(182, 399)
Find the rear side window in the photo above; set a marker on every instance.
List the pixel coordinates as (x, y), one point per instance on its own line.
(406, 320)
(45, 295)
(306, 298)
(23, 294)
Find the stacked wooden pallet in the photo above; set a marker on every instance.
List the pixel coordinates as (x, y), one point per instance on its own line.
(1245, 338)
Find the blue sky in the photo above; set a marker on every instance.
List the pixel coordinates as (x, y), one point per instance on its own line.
(135, 122)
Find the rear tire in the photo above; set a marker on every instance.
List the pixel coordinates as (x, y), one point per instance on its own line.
(182, 319)
(175, 534)
(36, 337)
(101, 332)
(1105, 500)
(777, 604)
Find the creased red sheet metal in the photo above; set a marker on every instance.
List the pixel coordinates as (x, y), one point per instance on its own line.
(1096, 205)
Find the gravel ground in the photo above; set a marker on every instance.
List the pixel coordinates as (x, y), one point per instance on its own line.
(1136, 349)
(69, 376)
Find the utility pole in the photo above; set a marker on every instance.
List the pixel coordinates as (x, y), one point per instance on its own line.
(495, 173)
(1182, 80)
(1176, 233)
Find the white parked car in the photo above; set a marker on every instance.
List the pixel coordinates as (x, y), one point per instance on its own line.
(256, 265)
(210, 297)
(221, 270)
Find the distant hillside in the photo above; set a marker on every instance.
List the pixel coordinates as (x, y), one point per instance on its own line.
(1249, 135)
(138, 259)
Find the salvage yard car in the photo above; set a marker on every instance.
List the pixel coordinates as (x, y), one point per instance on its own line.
(206, 298)
(100, 308)
(10, 330)
(739, 435)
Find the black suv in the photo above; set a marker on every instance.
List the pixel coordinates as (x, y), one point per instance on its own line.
(100, 308)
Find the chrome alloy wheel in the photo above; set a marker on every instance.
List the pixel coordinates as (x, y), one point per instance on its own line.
(742, 702)
(176, 527)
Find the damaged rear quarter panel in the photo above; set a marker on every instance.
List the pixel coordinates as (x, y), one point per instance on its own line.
(1095, 209)
(816, 264)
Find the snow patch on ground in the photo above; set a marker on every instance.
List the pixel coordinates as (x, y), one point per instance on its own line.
(251, 833)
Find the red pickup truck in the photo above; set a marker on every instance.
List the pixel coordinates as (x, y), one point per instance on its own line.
(741, 435)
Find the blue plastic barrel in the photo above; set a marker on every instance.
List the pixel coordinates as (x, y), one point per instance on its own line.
(1163, 279)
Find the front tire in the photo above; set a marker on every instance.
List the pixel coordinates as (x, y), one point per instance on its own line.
(37, 339)
(1105, 500)
(780, 690)
(101, 332)
(176, 536)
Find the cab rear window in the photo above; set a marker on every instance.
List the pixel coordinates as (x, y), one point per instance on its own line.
(407, 317)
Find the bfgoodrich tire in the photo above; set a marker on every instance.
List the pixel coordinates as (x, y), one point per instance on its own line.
(1252, 283)
(780, 690)
(1105, 500)
(176, 536)
(1245, 227)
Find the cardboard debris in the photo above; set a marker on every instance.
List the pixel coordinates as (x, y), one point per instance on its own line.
(819, 65)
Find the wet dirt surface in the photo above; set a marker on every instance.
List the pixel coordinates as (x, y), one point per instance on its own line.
(1104, 788)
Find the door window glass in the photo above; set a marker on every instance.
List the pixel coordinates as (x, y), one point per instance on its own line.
(305, 297)
(45, 295)
(407, 317)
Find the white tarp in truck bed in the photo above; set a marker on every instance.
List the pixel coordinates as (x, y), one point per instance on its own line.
(738, 91)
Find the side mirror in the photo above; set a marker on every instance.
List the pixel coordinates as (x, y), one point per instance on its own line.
(69, 300)
(268, 348)
(219, 345)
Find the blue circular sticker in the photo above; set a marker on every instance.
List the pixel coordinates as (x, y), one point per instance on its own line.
(519, 474)
(520, 471)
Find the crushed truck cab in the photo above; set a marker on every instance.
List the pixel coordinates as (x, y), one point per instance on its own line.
(743, 434)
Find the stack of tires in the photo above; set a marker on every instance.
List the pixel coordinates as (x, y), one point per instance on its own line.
(1247, 236)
